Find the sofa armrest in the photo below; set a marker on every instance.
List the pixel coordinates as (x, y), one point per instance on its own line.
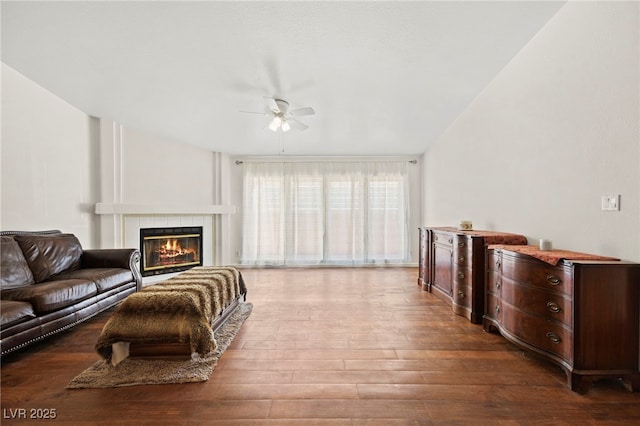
(126, 258)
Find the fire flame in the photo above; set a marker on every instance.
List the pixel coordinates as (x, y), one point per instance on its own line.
(172, 245)
(173, 248)
(166, 252)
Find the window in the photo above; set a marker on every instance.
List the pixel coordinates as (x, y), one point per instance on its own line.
(335, 213)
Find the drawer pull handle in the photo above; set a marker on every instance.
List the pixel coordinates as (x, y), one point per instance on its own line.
(497, 309)
(461, 259)
(498, 285)
(498, 264)
(553, 337)
(460, 295)
(450, 240)
(461, 275)
(461, 244)
(553, 307)
(553, 280)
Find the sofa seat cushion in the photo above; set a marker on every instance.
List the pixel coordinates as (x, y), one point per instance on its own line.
(53, 295)
(49, 255)
(14, 269)
(104, 278)
(13, 311)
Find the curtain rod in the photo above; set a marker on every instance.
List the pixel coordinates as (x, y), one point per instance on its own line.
(238, 162)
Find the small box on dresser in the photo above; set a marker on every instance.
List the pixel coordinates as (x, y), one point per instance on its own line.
(582, 314)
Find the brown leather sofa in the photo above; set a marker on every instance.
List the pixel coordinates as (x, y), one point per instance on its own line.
(49, 283)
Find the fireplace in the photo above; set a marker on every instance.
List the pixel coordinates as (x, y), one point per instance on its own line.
(167, 250)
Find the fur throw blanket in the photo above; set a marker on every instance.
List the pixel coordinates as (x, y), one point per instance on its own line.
(178, 310)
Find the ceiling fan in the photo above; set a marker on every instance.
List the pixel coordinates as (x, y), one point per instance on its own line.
(282, 118)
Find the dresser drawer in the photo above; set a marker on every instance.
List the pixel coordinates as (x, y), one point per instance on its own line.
(493, 282)
(463, 246)
(550, 336)
(492, 308)
(549, 305)
(493, 260)
(462, 295)
(462, 259)
(463, 242)
(538, 274)
(462, 250)
(443, 238)
(462, 275)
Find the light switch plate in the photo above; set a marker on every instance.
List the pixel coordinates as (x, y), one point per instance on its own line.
(611, 202)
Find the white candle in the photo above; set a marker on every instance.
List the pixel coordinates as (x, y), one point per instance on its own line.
(545, 244)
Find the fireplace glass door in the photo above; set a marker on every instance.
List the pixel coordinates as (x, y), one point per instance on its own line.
(167, 250)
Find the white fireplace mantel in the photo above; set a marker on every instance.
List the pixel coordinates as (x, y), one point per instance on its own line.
(162, 209)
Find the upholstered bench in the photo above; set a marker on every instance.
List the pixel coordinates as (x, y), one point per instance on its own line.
(176, 317)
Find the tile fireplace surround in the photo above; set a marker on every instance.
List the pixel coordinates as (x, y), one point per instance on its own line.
(123, 223)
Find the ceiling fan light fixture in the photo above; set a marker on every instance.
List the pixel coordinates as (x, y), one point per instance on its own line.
(275, 123)
(281, 117)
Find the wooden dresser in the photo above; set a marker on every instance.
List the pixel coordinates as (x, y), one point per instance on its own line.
(583, 315)
(451, 266)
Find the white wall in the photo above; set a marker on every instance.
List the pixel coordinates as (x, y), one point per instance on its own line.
(157, 170)
(557, 129)
(49, 161)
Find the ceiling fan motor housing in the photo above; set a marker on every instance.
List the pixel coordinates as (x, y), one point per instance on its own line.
(282, 105)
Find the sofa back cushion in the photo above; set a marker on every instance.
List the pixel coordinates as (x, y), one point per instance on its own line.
(48, 255)
(14, 270)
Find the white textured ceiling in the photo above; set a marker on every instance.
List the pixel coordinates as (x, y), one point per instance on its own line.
(385, 78)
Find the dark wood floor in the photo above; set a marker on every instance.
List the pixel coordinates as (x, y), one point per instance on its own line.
(328, 346)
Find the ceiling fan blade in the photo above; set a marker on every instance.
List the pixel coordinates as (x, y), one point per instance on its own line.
(273, 106)
(296, 124)
(302, 111)
(254, 112)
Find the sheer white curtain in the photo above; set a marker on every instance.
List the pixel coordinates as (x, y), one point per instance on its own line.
(336, 213)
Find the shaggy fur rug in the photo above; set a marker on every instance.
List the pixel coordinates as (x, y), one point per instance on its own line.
(131, 372)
